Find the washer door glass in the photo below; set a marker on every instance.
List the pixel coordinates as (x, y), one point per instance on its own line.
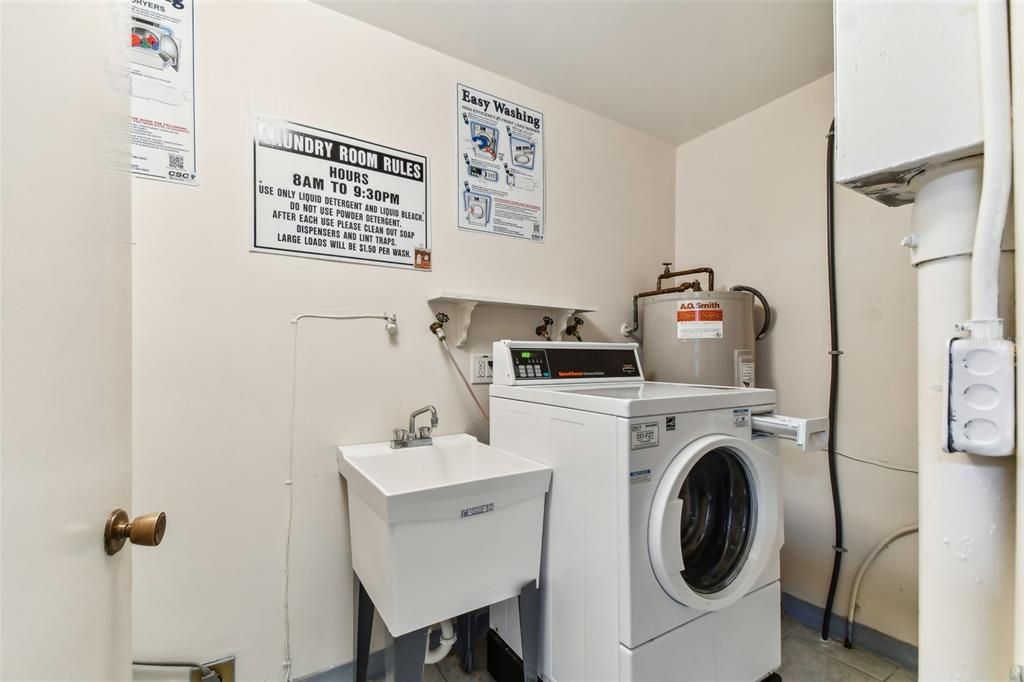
(717, 520)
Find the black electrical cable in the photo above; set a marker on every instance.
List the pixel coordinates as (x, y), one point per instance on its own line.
(833, 387)
(764, 306)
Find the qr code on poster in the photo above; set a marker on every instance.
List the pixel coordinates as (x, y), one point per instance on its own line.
(176, 161)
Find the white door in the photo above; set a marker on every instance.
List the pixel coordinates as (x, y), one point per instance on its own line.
(715, 521)
(65, 341)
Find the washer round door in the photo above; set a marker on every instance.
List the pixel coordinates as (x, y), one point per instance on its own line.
(714, 522)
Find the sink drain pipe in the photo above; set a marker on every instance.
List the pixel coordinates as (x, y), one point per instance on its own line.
(447, 642)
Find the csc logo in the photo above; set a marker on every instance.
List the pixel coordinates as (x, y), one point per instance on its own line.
(178, 175)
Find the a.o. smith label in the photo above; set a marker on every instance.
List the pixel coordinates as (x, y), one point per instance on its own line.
(700, 320)
(479, 509)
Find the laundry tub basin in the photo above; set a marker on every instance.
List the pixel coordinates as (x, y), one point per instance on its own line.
(442, 529)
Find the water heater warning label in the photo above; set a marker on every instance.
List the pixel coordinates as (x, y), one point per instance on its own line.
(699, 320)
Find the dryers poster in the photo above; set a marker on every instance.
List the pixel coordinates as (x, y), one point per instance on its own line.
(501, 165)
(327, 195)
(161, 66)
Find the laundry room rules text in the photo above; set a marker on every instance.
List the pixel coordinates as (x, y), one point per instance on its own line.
(324, 195)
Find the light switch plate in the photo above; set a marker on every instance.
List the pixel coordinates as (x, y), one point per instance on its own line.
(481, 368)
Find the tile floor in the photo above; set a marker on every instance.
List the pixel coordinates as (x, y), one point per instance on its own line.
(805, 658)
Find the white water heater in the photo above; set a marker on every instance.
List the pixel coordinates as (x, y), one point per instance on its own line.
(696, 336)
(700, 337)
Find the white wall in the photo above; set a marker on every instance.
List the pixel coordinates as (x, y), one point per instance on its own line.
(213, 343)
(750, 201)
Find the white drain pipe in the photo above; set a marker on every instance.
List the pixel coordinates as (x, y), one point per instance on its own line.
(1017, 96)
(448, 638)
(966, 548)
(994, 53)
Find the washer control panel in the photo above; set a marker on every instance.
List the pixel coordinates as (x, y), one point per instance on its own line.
(531, 364)
(520, 362)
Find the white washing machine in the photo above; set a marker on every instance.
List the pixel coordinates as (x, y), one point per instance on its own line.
(664, 518)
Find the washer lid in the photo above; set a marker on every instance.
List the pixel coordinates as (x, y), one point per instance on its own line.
(715, 521)
(638, 399)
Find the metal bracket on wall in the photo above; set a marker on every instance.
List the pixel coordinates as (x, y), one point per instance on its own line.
(465, 304)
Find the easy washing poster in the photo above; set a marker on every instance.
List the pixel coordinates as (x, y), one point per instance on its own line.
(501, 165)
(161, 69)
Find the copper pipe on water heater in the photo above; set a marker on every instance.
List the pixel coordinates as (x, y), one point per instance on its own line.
(668, 274)
(678, 289)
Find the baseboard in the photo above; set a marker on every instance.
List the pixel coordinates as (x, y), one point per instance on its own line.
(345, 673)
(864, 637)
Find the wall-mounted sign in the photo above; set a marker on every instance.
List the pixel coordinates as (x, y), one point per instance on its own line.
(162, 70)
(326, 195)
(501, 165)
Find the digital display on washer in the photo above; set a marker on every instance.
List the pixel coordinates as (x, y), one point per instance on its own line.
(574, 363)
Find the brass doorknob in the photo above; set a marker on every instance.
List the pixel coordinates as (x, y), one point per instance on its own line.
(147, 530)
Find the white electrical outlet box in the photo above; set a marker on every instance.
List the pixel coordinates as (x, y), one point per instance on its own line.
(980, 397)
(481, 368)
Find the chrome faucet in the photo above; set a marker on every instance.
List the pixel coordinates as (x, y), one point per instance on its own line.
(410, 438)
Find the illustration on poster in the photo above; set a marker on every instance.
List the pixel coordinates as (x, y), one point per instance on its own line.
(484, 137)
(153, 45)
(477, 206)
(477, 171)
(524, 150)
(512, 179)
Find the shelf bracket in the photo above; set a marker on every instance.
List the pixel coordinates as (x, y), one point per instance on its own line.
(463, 316)
(565, 315)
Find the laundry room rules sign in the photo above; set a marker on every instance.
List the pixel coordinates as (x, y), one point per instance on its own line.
(325, 195)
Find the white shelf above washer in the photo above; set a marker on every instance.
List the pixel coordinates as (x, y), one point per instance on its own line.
(465, 304)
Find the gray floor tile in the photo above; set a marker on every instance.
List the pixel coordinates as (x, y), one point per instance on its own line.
(902, 675)
(431, 673)
(802, 663)
(789, 625)
(451, 666)
(452, 670)
(864, 661)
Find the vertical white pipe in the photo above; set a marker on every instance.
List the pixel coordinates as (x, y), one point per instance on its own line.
(1017, 93)
(965, 502)
(994, 58)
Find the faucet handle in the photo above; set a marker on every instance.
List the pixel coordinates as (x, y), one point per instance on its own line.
(425, 431)
(401, 434)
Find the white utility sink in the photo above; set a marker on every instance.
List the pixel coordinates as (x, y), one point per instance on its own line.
(442, 529)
